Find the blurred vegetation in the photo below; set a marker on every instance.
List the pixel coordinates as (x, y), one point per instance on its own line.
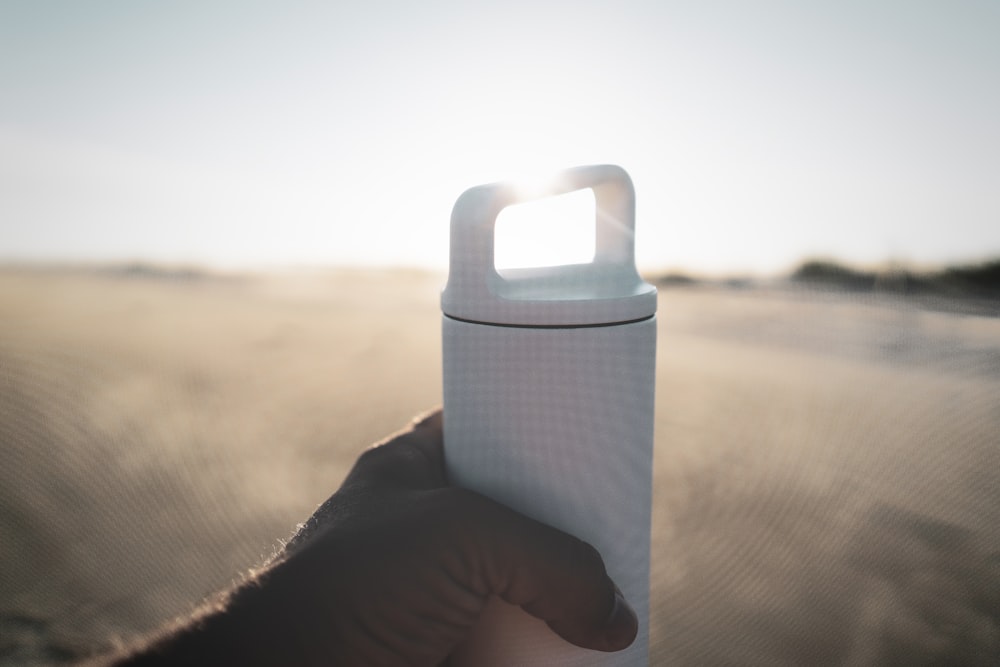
(975, 280)
(830, 274)
(148, 271)
(673, 279)
(972, 280)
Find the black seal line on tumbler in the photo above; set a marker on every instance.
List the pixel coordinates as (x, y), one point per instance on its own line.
(549, 376)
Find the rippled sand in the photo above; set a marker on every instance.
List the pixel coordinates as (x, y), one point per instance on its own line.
(827, 466)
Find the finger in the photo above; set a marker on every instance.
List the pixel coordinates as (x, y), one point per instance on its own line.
(412, 458)
(554, 577)
(427, 435)
(433, 420)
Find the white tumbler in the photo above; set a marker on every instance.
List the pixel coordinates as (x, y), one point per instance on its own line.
(549, 375)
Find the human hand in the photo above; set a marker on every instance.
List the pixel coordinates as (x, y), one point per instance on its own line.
(396, 567)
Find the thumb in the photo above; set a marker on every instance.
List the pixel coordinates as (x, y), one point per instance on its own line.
(556, 578)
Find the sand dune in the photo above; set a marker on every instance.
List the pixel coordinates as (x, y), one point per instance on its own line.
(827, 466)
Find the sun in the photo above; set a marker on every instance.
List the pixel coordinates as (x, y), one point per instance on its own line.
(545, 230)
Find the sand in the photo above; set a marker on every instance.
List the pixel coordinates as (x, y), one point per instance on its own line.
(827, 465)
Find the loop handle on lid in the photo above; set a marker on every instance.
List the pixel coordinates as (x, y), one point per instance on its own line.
(604, 291)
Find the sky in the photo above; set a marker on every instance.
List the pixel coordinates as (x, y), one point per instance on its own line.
(237, 133)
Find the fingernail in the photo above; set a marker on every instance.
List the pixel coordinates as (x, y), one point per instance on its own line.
(622, 625)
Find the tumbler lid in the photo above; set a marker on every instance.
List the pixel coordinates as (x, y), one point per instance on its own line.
(607, 290)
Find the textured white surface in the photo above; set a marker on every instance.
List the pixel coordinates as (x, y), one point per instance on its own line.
(557, 424)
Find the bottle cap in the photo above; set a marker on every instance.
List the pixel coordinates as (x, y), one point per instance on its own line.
(607, 290)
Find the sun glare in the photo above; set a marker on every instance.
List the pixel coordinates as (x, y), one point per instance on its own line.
(550, 231)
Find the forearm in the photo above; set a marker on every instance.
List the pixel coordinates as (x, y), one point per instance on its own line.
(250, 625)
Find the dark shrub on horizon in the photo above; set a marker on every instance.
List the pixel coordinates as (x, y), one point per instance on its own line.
(983, 278)
(972, 280)
(668, 279)
(830, 274)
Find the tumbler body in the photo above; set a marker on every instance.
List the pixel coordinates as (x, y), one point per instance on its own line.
(549, 409)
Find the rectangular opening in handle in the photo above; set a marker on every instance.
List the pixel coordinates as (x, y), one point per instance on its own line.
(552, 231)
